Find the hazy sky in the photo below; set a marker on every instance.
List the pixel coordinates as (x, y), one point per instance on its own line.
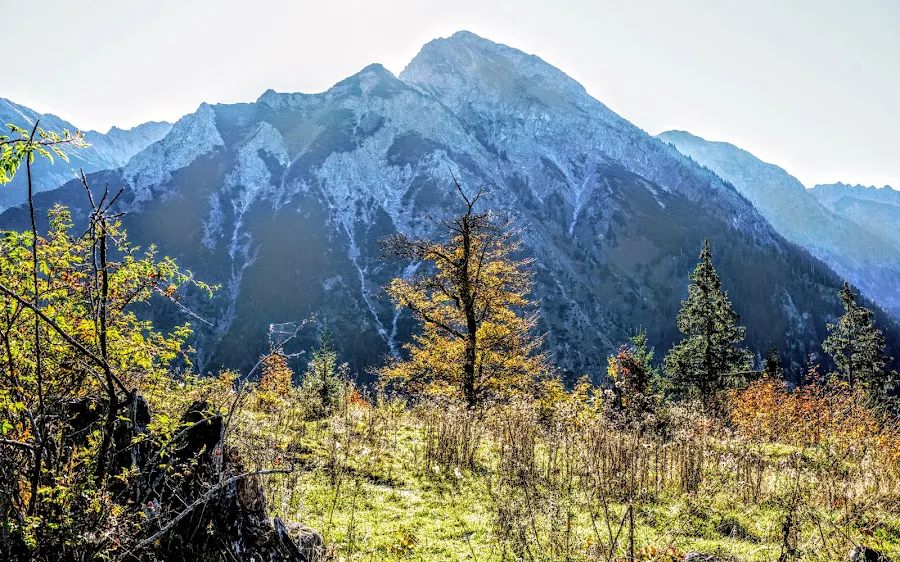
(813, 86)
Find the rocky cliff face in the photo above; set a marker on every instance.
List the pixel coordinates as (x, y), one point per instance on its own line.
(283, 201)
(852, 229)
(106, 151)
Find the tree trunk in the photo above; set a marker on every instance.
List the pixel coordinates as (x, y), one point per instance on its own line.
(469, 367)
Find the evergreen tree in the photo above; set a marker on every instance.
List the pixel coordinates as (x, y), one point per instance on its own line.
(772, 366)
(709, 356)
(322, 383)
(857, 346)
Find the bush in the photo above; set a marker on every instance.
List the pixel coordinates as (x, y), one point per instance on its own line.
(818, 413)
(323, 385)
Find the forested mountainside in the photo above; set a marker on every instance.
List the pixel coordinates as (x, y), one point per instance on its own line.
(106, 151)
(850, 229)
(283, 201)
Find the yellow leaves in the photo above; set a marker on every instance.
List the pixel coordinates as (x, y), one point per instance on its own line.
(612, 368)
(468, 286)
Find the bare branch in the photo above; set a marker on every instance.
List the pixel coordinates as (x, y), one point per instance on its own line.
(20, 444)
(202, 500)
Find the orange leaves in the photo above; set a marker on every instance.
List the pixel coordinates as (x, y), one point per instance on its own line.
(357, 399)
(277, 375)
(761, 411)
(813, 414)
(670, 554)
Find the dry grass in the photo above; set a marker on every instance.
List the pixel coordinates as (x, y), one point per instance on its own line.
(568, 481)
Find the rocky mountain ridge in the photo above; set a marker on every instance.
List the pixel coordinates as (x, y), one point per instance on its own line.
(282, 201)
(852, 229)
(109, 150)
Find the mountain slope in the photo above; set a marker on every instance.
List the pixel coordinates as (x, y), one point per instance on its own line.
(283, 201)
(852, 241)
(106, 151)
(874, 209)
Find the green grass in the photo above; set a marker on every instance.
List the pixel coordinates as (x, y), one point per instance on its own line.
(366, 485)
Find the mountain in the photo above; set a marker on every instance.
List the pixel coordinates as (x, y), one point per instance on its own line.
(838, 224)
(106, 151)
(876, 210)
(830, 194)
(282, 201)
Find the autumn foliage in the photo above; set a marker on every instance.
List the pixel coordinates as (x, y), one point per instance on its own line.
(473, 304)
(818, 413)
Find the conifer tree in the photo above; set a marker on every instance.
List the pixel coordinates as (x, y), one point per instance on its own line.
(772, 366)
(709, 356)
(857, 346)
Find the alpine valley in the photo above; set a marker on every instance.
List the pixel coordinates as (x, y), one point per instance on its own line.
(282, 202)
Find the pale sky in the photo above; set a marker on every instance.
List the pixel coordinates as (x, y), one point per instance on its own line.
(812, 85)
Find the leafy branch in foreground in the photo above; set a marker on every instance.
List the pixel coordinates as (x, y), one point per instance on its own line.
(20, 146)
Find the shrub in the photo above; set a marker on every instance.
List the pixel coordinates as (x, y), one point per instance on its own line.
(818, 413)
(322, 387)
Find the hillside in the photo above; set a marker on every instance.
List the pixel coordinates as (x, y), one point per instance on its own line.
(282, 202)
(873, 209)
(105, 151)
(853, 236)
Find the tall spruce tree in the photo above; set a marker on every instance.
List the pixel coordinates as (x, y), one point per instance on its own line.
(709, 358)
(857, 347)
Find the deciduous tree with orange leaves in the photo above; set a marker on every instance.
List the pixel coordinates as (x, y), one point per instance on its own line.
(477, 338)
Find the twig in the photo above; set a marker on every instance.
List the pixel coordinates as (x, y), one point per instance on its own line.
(13, 443)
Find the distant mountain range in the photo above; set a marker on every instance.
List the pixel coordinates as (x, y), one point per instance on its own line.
(106, 151)
(282, 201)
(852, 229)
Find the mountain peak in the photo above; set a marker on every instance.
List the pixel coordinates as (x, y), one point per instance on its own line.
(373, 80)
(712, 153)
(375, 71)
(830, 193)
(677, 136)
(191, 136)
(858, 186)
(464, 34)
(466, 62)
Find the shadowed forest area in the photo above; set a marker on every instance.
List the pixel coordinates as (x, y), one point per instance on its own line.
(468, 447)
